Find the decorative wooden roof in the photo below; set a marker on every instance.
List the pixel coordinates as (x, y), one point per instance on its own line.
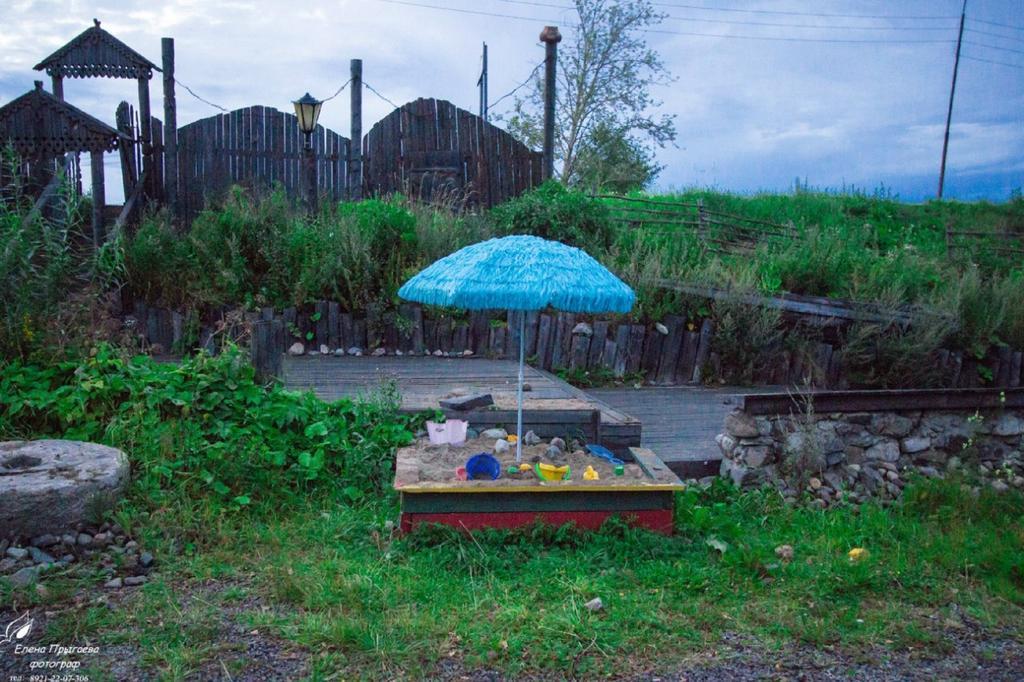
(38, 124)
(94, 52)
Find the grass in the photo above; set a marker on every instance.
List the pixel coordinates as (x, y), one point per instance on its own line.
(309, 564)
(327, 581)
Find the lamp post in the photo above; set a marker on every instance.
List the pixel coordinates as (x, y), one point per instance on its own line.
(307, 110)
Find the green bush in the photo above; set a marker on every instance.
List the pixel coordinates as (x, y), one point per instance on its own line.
(553, 212)
(204, 428)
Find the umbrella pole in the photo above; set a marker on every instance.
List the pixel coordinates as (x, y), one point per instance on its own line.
(519, 407)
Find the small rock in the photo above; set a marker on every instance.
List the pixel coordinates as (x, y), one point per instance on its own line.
(501, 447)
(594, 604)
(912, 445)
(527, 387)
(297, 348)
(314, 352)
(67, 559)
(7, 565)
(557, 442)
(134, 580)
(131, 544)
(324, 350)
(438, 353)
(4, 544)
(739, 424)
(470, 434)
(553, 453)
(69, 539)
(999, 485)
(466, 353)
(338, 352)
(45, 540)
(84, 539)
(662, 329)
(355, 350)
(583, 329)
(815, 483)
(377, 352)
(784, 552)
(39, 556)
(494, 433)
(25, 576)
(145, 560)
(17, 552)
(114, 584)
(101, 539)
(531, 438)
(399, 353)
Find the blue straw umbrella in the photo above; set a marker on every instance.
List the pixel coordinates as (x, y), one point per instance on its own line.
(520, 273)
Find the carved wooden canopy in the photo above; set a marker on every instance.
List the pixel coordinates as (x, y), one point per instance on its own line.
(94, 52)
(37, 124)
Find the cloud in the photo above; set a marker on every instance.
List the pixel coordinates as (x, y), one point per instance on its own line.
(751, 114)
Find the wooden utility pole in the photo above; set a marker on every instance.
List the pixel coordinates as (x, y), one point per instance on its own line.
(170, 127)
(550, 37)
(99, 200)
(482, 84)
(146, 135)
(355, 145)
(952, 91)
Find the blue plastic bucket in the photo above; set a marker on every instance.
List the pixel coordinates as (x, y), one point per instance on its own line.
(482, 467)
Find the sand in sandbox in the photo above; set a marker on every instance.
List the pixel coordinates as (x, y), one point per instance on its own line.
(423, 463)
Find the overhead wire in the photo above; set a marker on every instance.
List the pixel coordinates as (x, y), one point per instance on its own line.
(991, 61)
(517, 88)
(737, 22)
(462, 10)
(201, 99)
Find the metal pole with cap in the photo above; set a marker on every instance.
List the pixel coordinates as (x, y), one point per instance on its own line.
(550, 37)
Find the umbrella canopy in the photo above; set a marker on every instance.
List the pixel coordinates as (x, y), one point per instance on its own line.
(520, 273)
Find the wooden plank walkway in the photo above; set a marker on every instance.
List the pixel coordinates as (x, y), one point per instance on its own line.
(423, 381)
(680, 422)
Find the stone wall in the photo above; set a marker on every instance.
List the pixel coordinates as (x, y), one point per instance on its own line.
(856, 455)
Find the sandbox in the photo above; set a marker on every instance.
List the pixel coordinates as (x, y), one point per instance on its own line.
(431, 491)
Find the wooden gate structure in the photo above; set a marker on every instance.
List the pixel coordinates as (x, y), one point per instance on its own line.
(430, 149)
(255, 147)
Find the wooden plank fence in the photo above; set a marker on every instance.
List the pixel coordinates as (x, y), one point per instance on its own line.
(431, 150)
(555, 341)
(256, 147)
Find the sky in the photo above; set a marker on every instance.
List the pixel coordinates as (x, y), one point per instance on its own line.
(839, 94)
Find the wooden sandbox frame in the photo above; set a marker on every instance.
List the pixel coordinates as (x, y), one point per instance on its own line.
(646, 502)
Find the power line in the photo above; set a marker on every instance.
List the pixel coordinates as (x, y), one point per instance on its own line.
(994, 35)
(996, 23)
(517, 88)
(704, 20)
(204, 101)
(337, 92)
(991, 61)
(993, 47)
(683, 33)
(374, 91)
(800, 14)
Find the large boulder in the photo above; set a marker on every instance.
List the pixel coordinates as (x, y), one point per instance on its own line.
(49, 486)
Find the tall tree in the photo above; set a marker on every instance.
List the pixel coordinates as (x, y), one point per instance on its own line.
(606, 72)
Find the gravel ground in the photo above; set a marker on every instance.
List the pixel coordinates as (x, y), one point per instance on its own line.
(966, 652)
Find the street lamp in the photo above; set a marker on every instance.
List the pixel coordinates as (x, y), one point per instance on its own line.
(307, 110)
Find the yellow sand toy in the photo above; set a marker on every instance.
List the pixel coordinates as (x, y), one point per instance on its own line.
(590, 474)
(549, 472)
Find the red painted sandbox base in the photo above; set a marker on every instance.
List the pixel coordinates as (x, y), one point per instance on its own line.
(658, 520)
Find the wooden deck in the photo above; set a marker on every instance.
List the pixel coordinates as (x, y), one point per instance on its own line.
(423, 381)
(680, 422)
